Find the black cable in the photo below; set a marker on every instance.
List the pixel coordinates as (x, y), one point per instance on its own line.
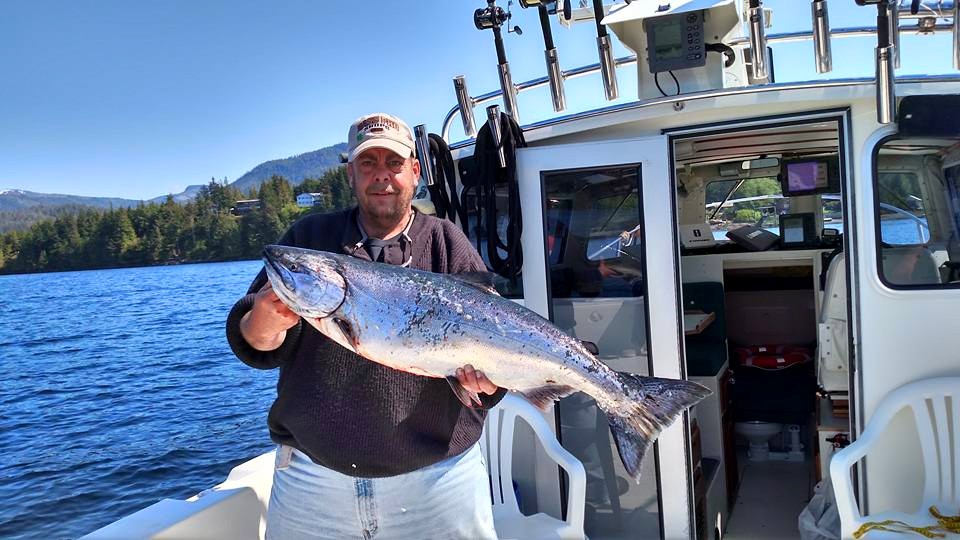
(727, 51)
(656, 81)
(490, 175)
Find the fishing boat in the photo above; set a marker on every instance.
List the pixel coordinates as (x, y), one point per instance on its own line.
(795, 247)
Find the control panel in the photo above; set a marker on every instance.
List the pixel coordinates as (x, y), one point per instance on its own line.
(675, 41)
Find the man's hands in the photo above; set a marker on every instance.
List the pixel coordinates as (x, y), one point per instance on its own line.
(475, 381)
(265, 325)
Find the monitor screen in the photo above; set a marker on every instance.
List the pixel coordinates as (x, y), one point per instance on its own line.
(793, 230)
(807, 176)
(668, 39)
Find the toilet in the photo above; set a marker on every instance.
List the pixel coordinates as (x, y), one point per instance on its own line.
(758, 434)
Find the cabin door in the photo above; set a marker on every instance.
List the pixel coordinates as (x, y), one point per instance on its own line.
(600, 261)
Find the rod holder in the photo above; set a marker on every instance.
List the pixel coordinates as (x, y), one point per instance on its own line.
(886, 93)
(465, 102)
(894, 19)
(423, 153)
(821, 36)
(556, 80)
(493, 120)
(956, 35)
(509, 91)
(608, 68)
(758, 44)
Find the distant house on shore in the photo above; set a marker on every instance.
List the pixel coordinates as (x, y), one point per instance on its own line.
(245, 206)
(307, 200)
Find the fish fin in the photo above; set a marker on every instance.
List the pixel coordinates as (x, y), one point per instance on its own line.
(591, 346)
(544, 396)
(480, 280)
(468, 398)
(338, 330)
(654, 404)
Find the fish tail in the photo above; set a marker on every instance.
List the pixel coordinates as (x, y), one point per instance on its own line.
(652, 404)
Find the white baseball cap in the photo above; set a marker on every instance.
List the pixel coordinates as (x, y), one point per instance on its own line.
(380, 130)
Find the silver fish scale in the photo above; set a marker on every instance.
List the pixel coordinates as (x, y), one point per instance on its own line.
(450, 323)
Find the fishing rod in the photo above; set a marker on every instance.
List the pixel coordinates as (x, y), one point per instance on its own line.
(608, 68)
(493, 17)
(554, 74)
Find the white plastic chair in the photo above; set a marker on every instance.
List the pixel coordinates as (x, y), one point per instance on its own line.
(497, 446)
(941, 482)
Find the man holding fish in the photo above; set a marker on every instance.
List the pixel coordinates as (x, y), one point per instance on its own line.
(373, 440)
(366, 449)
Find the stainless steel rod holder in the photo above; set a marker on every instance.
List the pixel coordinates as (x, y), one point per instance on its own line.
(556, 80)
(821, 36)
(465, 102)
(608, 68)
(509, 91)
(493, 120)
(956, 36)
(886, 93)
(894, 18)
(423, 153)
(758, 44)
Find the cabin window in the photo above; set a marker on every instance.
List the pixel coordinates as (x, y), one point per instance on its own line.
(917, 209)
(730, 204)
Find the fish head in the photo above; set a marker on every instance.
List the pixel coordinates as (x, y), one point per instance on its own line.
(309, 282)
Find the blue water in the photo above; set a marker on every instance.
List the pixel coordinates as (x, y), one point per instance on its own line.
(118, 389)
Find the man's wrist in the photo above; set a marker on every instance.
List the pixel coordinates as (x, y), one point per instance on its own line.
(268, 342)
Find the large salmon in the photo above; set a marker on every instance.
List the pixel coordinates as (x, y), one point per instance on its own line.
(431, 324)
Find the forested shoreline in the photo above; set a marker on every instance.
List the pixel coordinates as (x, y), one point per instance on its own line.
(203, 230)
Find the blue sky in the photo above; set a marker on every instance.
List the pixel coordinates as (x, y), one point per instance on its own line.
(140, 99)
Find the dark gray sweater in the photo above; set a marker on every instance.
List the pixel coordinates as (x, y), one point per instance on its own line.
(347, 413)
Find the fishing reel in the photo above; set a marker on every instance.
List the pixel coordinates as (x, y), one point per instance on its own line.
(489, 17)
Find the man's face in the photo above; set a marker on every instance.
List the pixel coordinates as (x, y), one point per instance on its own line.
(384, 184)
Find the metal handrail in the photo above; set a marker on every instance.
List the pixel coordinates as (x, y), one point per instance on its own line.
(723, 92)
(632, 59)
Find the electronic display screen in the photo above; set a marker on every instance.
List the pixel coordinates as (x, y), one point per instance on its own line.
(668, 39)
(806, 176)
(793, 230)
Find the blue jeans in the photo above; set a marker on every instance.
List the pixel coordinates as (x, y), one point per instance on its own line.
(449, 499)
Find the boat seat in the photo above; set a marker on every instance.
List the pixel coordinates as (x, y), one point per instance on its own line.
(706, 352)
(832, 340)
(935, 408)
(496, 444)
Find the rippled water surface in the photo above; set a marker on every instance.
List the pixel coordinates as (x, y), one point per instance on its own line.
(118, 389)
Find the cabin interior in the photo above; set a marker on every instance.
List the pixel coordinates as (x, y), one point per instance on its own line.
(766, 314)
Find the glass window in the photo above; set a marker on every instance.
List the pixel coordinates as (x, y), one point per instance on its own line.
(918, 212)
(594, 242)
(754, 201)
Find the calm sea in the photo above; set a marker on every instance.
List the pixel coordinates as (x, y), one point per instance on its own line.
(118, 389)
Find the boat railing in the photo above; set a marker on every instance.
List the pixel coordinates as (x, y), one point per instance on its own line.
(931, 10)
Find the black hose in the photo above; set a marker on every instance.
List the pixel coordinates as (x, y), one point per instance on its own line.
(443, 193)
(490, 175)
